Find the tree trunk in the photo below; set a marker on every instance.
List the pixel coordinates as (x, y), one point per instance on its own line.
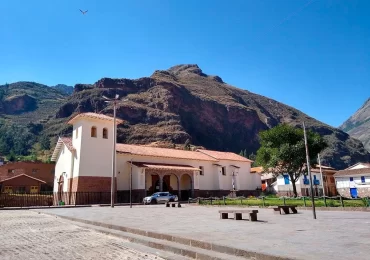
(293, 181)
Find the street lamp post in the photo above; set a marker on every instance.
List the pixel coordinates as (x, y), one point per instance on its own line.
(114, 101)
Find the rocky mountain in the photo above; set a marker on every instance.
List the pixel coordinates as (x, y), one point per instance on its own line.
(184, 103)
(358, 125)
(64, 88)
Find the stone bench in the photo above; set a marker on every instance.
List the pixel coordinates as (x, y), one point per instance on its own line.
(224, 214)
(285, 209)
(173, 204)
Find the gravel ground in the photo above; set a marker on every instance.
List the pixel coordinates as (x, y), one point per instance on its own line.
(29, 235)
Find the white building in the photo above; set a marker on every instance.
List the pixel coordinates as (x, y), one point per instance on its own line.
(282, 184)
(84, 164)
(354, 181)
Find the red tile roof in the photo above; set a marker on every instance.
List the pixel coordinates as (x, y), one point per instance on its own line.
(165, 166)
(94, 116)
(162, 152)
(224, 155)
(364, 171)
(23, 175)
(68, 143)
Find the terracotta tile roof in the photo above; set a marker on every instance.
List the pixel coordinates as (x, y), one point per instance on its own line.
(162, 152)
(68, 143)
(258, 169)
(360, 163)
(23, 175)
(165, 166)
(224, 155)
(365, 171)
(94, 116)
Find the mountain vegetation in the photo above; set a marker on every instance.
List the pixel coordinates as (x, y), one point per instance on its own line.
(358, 125)
(180, 107)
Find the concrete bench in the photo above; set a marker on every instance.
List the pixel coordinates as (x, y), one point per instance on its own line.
(173, 204)
(285, 209)
(224, 214)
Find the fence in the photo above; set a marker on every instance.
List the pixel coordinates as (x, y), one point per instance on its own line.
(337, 201)
(64, 198)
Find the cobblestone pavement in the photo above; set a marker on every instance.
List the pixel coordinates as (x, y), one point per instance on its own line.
(29, 235)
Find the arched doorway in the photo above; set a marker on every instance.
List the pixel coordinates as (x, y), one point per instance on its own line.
(186, 186)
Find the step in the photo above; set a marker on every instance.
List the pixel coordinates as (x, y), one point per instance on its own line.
(163, 248)
(191, 244)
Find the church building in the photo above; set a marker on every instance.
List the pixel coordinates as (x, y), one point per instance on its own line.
(84, 164)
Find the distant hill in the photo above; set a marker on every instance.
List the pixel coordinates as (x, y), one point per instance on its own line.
(184, 103)
(24, 109)
(64, 88)
(358, 125)
(171, 107)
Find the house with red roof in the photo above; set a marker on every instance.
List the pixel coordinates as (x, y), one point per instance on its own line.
(354, 181)
(84, 164)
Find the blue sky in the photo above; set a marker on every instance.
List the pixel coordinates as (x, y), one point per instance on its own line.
(311, 54)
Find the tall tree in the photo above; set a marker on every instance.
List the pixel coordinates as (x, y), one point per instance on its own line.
(187, 144)
(283, 151)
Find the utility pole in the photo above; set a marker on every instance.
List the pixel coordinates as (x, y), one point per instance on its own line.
(131, 185)
(322, 177)
(309, 171)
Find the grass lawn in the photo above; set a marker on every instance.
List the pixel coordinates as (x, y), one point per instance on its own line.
(280, 201)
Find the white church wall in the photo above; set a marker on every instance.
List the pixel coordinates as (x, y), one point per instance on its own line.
(63, 167)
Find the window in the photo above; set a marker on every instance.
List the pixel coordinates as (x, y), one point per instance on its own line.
(305, 180)
(105, 133)
(286, 179)
(76, 133)
(93, 131)
(10, 170)
(350, 178)
(315, 181)
(34, 171)
(201, 172)
(363, 179)
(34, 189)
(8, 189)
(223, 170)
(52, 171)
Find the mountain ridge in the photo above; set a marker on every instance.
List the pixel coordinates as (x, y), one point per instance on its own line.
(184, 103)
(358, 125)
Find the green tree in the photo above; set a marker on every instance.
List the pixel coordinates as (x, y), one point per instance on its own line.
(11, 156)
(45, 142)
(187, 144)
(283, 151)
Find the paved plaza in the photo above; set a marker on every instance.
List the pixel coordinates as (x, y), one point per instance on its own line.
(334, 235)
(29, 235)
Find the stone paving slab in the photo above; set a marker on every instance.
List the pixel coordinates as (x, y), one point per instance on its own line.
(334, 235)
(28, 235)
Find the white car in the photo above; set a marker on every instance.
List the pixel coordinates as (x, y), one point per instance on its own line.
(160, 197)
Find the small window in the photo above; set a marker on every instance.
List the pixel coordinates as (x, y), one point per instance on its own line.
(20, 189)
(34, 171)
(10, 170)
(363, 179)
(350, 178)
(201, 172)
(105, 133)
(52, 171)
(8, 189)
(93, 131)
(34, 189)
(76, 133)
(223, 170)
